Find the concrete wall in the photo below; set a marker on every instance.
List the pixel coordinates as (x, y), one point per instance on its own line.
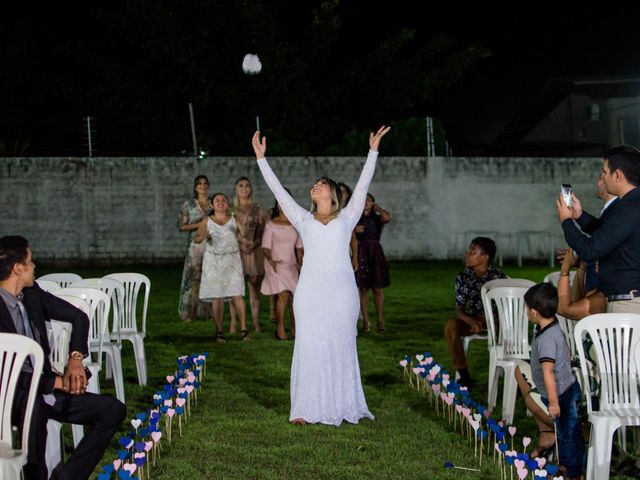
(115, 210)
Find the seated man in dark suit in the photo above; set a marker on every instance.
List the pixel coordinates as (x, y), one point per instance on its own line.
(24, 308)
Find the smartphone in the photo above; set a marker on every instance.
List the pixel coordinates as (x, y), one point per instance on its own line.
(566, 194)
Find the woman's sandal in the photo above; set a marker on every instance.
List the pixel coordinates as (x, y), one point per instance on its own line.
(244, 335)
(220, 337)
(543, 450)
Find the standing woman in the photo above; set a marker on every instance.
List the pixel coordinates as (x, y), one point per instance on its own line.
(221, 265)
(373, 272)
(282, 249)
(193, 211)
(325, 374)
(250, 219)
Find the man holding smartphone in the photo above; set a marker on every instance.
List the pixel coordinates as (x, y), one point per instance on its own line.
(615, 238)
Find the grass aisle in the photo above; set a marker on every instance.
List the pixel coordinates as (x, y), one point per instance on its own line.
(239, 428)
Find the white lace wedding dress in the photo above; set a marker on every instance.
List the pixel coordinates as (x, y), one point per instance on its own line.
(325, 374)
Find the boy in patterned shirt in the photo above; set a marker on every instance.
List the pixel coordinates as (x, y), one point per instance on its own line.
(469, 318)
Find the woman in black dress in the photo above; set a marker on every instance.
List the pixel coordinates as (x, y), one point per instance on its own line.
(372, 273)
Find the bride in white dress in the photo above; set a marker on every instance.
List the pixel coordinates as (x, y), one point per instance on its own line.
(325, 375)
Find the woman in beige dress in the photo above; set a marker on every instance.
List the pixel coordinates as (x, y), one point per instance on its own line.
(192, 213)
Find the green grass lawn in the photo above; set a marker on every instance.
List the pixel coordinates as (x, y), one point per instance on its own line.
(239, 428)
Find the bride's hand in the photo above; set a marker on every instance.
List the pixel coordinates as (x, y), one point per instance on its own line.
(259, 147)
(374, 140)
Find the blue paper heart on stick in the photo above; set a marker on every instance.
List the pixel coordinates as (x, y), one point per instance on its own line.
(104, 476)
(108, 468)
(503, 447)
(499, 435)
(180, 410)
(141, 416)
(126, 442)
(143, 432)
(164, 409)
(122, 454)
(140, 461)
(482, 434)
(139, 446)
(124, 475)
(510, 459)
(532, 464)
(552, 469)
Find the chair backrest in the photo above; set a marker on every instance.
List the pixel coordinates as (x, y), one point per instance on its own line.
(114, 289)
(99, 305)
(63, 279)
(488, 307)
(14, 350)
(48, 285)
(568, 326)
(513, 336)
(553, 278)
(613, 335)
(132, 284)
(61, 334)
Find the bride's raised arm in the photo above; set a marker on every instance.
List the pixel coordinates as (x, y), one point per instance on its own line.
(353, 210)
(294, 212)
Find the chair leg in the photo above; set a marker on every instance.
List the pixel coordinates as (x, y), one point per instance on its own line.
(53, 449)
(509, 392)
(599, 460)
(116, 363)
(141, 360)
(492, 388)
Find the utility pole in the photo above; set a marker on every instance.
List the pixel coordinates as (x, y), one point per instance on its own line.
(89, 135)
(193, 132)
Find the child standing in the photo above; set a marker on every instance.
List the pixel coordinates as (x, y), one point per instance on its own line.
(221, 265)
(551, 372)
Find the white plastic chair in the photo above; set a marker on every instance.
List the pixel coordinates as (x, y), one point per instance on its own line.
(59, 341)
(554, 277)
(99, 306)
(129, 325)
(48, 285)
(14, 350)
(508, 344)
(614, 337)
(115, 290)
(63, 279)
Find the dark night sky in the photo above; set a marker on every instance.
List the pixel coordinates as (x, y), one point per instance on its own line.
(527, 48)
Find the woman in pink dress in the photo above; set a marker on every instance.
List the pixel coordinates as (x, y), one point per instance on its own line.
(282, 249)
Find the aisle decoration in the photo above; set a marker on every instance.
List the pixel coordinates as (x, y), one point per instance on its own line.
(490, 437)
(141, 447)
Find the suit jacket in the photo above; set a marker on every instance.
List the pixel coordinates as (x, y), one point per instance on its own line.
(42, 306)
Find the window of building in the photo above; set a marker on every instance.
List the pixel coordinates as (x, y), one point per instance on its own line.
(630, 131)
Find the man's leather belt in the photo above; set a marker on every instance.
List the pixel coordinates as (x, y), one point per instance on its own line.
(624, 296)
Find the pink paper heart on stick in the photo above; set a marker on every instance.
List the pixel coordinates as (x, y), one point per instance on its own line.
(171, 412)
(519, 464)
(512, 431)
(170, 378)
(181, 390)
(168, 403)
(526, 441)
(148, 446)
(523, 473)
(182, 381)
(156, 436)
(116, 464)
(403, 363)
(129, 467)
(191, 377)
(459, 408)
(417, 370)
(189, 389)
(180, 402)
(541, 461)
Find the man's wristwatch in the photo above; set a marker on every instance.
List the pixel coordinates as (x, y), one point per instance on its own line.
(76, 355)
